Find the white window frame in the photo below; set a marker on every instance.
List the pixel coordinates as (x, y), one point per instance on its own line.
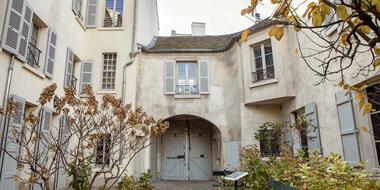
(264, 61)
(114, 10)
(108, 71)
(187, 63)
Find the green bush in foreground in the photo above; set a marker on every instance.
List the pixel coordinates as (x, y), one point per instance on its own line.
(314, 173)
(141, 183)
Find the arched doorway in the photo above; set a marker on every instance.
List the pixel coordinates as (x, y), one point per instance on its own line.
(190, 149)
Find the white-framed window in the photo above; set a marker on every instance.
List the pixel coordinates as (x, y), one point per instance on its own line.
(103, 150)
(373, 93)
(113, 14)
(33, 53)
(263, 61)
(269, 147)
(187, 78)
(77, 8)
(109, 71)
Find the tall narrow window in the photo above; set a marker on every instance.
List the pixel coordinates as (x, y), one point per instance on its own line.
(103, 150)
(113, 13)
(374, 98)
(187, 75)
(264, 66)
(33, 56)
(109, 71)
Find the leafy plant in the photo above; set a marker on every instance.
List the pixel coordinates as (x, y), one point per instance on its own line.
(141, 183)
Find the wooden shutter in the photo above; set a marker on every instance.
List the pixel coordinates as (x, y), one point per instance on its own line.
(231, 155)
(26, 24)
(10, 165)
(348, 129)
(313, 136)
(12, 26)
(86, 75)
(169, 83)
(50, 54)
(91, 14)
(203, 77)
(69, 67)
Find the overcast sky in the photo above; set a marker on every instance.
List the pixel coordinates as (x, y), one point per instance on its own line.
(220, 16)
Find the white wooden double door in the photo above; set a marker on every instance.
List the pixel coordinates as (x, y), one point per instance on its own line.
(187, 153)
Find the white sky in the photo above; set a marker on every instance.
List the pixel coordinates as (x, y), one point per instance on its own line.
(220, 16)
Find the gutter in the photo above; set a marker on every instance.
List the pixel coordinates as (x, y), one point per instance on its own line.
(4, 131)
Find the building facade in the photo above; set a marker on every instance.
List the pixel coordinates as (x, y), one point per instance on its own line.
(70, 43)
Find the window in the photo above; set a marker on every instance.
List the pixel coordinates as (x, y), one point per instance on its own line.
(269, 146)
(374, 98)
(33, 56)
(264, 66)
(109, 71)
(187, 75)
(103, 150)
(77, 8)
(299, 116)
(113, 13)
(71, 66)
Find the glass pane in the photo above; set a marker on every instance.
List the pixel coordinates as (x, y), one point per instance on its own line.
(181, 74)
(374, 96)
(375, 119)
(257, 51)
(268, 48)
(119, 12)
(259, 74)
(192, 73)
(269, 59)
(270, 72)
(258, 62)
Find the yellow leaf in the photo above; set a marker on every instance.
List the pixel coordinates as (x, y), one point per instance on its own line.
(378, 7)
(361, 104)
(317, 18)
(376, 63)
(276, 1)
(277, 32)
(365, 129)
(363, 87)
(341, 12)
(360, 97)
(377, 51)
(247, 11)
(341, 83)
(345, 39)
(346, 86)
(366, 29)
(309, 6)
(368, 108)
(244, 36)
(297, 29)
(254, 3)
(325, 9)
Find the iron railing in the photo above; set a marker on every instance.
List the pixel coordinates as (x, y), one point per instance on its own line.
(112, 21)
(74, 82)
(187, 89)
(262, 75)
(33, 57)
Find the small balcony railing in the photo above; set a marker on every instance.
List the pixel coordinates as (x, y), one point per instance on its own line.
(112, 21)
(187, 89)
(262, 75)
(74, 82)
(33, 57)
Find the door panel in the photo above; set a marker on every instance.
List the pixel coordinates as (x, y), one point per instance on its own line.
(174, 167)
(199, 155)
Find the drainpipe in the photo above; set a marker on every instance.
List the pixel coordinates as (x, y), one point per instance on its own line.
(132, 55)
(4, 131)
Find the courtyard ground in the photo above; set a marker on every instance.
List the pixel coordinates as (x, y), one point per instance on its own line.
(186, 185)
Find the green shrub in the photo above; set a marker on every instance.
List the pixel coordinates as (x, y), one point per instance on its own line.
(141, 183)
(314, 173)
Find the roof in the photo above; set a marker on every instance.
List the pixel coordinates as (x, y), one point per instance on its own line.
(200, 44)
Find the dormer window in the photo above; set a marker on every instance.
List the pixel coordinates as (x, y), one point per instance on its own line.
(263, 62)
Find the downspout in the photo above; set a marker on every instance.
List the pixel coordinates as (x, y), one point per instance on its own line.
(132, 55)
(4, 125)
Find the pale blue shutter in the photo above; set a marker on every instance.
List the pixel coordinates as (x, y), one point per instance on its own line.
(10, 165)
(348, 130)
(69, 67)
(203, 77)
(60, 176)
(91, 14)
(86, 75)
(288, 136)
(169, 79)
(50, 54)
(313, 136)
(25, 32)
(231, 155)
(12, 25)
(75, 6)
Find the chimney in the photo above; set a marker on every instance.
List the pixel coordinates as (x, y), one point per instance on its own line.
(174, 33)
(198, 29)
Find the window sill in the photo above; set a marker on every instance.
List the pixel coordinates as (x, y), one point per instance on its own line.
(80, 22)
(111, 29)
(106, 92)
(33, 70)
(187, 96)
(263, 82)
